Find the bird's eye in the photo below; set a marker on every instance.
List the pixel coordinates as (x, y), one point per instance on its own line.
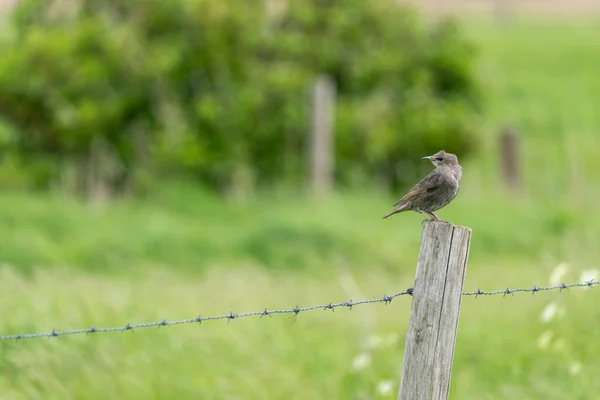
(440, 158)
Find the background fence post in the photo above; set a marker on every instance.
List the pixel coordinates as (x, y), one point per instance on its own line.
(434, 313)
(509, 158)
(321, 134)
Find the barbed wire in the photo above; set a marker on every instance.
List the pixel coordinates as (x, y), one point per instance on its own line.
(533, 290)
(385, 299)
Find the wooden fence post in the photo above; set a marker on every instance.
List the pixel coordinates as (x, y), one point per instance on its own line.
(433, 323)
(321, 135)
(509, 158)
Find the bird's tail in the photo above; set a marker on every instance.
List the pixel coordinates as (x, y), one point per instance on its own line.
(389, 214)
(394, 211)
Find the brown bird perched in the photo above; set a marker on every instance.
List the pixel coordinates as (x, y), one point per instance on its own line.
(434, 191)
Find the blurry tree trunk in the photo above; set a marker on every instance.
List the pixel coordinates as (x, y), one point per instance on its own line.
(96, 179)
(321, 135)
(509, 159)
(139, 168)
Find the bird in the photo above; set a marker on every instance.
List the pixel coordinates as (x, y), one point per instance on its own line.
(435, 191)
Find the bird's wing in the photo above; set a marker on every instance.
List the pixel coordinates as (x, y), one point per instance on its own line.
(427, 185)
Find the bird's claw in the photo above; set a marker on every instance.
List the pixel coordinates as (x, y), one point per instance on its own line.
(436, 220)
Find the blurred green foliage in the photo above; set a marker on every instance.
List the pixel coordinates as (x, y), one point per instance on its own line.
(219, 89)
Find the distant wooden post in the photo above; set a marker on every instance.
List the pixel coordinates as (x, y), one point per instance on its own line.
(433, 323)
(321, 135)
(509, 158)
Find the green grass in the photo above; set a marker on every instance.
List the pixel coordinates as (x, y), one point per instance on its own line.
(281, 233)
(541, 78)
(313, 356)
(184, 252)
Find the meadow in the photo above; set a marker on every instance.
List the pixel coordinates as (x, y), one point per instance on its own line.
(183, 252)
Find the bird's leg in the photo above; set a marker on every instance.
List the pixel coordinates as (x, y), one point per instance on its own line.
(433, 216)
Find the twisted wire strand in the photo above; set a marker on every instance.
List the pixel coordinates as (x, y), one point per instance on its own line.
(533, 290)
(385, 299)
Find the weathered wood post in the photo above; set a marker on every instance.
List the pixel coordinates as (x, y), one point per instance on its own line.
(321, 135)
(509, 158)
(433, 322)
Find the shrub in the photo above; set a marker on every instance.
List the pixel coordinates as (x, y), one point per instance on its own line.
(218, 89)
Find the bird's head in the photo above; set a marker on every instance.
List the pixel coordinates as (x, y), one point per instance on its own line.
(442, 158)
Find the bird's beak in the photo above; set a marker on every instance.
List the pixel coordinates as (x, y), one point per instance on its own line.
(427, 158)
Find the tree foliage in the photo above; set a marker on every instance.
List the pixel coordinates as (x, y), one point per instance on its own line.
(218, 89)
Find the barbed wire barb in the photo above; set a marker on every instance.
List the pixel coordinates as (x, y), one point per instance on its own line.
(385, 299)
(534, 289)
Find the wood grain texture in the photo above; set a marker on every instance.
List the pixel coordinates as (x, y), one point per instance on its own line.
(433, 322)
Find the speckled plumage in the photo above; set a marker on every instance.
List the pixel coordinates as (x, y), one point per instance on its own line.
(436, 190)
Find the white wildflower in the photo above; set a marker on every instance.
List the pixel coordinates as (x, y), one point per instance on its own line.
(361, 361)
(575, 368)
(385, 388)
(549, 313)
(557, 275)
(374, 341)
(544, 340)
(391, 339)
